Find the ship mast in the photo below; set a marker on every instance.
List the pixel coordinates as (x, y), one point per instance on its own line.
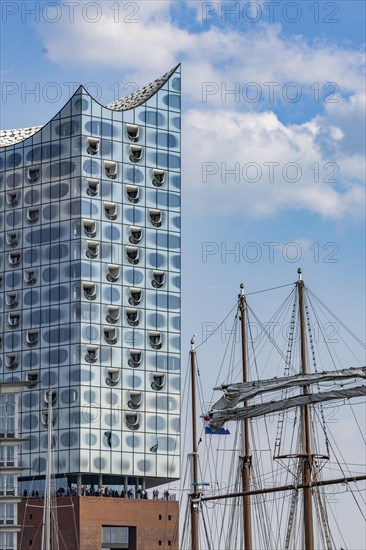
(308, 458)
(246, 458)
(226, 409)
(195, 492)
(46, 531)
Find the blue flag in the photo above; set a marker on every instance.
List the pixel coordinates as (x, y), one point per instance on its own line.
(220, 431)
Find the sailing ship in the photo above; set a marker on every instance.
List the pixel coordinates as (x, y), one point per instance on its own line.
(289, 505)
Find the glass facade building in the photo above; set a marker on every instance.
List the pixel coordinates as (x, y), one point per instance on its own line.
(90, 283)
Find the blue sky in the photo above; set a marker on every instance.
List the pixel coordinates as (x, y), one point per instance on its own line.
(274, 92)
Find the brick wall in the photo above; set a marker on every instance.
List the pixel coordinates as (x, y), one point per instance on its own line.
(156, 522)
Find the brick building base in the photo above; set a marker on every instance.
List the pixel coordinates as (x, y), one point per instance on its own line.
(154, 524)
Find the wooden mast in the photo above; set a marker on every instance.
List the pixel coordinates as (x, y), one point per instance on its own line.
(307, 455)
(195, 493)
(246, 458)
(308, 459)
(46, 531)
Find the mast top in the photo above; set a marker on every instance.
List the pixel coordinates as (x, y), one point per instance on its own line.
(299, 271)
(242, 289)
(192, 342)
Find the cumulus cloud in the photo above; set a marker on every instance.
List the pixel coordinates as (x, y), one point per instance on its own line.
(316, 164)
(236, 159)
(140, 38)
(155, 41)
(347, 119)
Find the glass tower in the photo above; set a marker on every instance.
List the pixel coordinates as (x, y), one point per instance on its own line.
(90, 284)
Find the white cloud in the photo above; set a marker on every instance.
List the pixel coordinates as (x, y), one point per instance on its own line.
(230, 166)
(155, 43)
(271, 61)
(141, 39)
(228, 128)
(348, 117)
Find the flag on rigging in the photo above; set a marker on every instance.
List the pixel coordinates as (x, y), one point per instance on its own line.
(209, 430)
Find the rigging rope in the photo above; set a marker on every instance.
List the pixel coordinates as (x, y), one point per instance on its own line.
(284, 393)
(268, 289)
(336, 318)
(216, 329)
(224, 528)
(321, 408)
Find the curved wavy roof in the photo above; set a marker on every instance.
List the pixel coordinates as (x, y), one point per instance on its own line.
(142, 95)
(11, 137)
